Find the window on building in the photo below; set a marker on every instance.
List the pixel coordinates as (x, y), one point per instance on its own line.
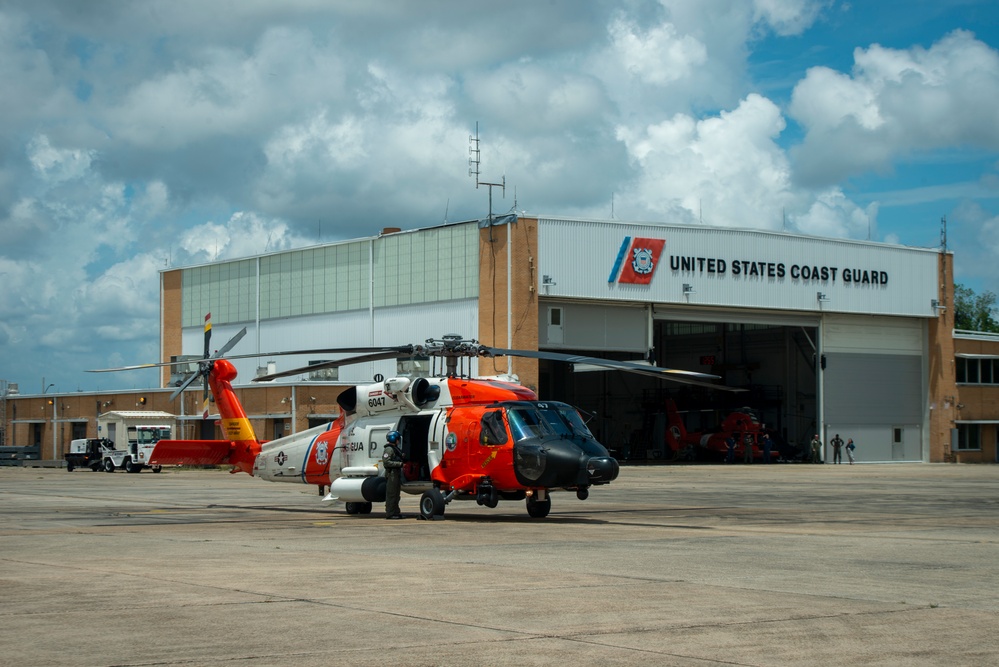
(323, 374)
(977, 371)
(413, 366)
(969, 437)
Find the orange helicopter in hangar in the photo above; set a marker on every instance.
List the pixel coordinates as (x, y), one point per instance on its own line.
(485, 439)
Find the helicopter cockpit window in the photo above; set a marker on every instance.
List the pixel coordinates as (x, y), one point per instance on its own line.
(493, 430)
(564, 419)
(527, 423)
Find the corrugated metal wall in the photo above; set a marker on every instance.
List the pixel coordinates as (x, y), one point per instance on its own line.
(416, 267)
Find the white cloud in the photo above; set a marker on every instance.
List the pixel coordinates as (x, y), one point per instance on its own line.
(788, 17)
(895, 103)
(243, 235)
(55, 164)
(658, 55)
(832, 214)
(725, 170)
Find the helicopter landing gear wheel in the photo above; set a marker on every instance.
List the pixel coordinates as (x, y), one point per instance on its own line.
(538, 509)
(432, 504)
(358, 508)
(583, 492)
(488, 496)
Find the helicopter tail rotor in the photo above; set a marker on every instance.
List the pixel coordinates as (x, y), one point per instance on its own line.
(205, 364)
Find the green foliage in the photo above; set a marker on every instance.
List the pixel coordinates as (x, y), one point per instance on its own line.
(974, 312)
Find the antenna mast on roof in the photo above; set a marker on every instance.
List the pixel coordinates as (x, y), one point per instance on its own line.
(474, 162)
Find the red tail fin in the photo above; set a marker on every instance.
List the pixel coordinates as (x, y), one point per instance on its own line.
(676, 432)
(241, 446)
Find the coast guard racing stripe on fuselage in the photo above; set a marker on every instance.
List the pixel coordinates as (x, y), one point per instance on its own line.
(319, 455)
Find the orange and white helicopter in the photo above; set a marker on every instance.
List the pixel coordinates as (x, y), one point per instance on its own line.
(485, 439)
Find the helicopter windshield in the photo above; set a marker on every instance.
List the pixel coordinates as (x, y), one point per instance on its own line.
(545, 419)
(564, 419)
(526, 422)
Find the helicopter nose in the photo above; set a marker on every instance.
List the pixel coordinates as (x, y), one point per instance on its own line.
(555, 463)
(602, 469)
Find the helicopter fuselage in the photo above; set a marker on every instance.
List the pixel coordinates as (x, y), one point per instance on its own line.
(457, 435)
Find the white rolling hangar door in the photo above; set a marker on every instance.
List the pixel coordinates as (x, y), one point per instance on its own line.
(874, 385)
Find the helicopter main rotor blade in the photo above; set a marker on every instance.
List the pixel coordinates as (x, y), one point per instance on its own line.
(185, 384)
(231, 344)
(670, 374)
(400, 350)
(378, 356)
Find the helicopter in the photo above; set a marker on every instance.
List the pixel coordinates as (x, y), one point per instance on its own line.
(487, 439)
(742, 426)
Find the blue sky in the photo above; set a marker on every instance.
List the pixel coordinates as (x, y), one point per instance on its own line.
(139, 136)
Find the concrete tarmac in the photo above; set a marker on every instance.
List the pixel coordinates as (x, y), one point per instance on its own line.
(684, 565)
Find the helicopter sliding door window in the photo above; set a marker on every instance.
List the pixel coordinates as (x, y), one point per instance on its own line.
(493, 429)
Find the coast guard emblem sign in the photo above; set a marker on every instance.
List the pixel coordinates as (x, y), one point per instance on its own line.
(636, 261)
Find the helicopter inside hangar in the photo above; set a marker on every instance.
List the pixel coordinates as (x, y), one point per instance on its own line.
(773, 360)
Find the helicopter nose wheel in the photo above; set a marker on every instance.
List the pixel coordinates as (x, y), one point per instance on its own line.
(488, 496)
(583, 492)
(538, 509)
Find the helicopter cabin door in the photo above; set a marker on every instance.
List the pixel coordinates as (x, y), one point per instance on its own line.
(436, 440)
(415, 430)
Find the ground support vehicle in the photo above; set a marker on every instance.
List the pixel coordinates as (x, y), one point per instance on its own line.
(86, 453)
(131, 436)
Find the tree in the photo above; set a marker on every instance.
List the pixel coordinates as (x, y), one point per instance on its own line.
(974, 312)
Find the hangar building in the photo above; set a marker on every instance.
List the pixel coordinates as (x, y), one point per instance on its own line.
(823, 336)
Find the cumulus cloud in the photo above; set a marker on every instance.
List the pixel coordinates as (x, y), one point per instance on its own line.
(724, 170)
(658, 55)
(896, 103)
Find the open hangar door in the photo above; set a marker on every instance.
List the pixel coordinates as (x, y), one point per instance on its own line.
(773, 357)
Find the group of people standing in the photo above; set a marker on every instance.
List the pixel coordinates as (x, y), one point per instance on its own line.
(765, 445)
(837, 446)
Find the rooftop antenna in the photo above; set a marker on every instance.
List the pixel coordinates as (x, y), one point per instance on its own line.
(447, 206)
(474, 162)
(943, 234)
